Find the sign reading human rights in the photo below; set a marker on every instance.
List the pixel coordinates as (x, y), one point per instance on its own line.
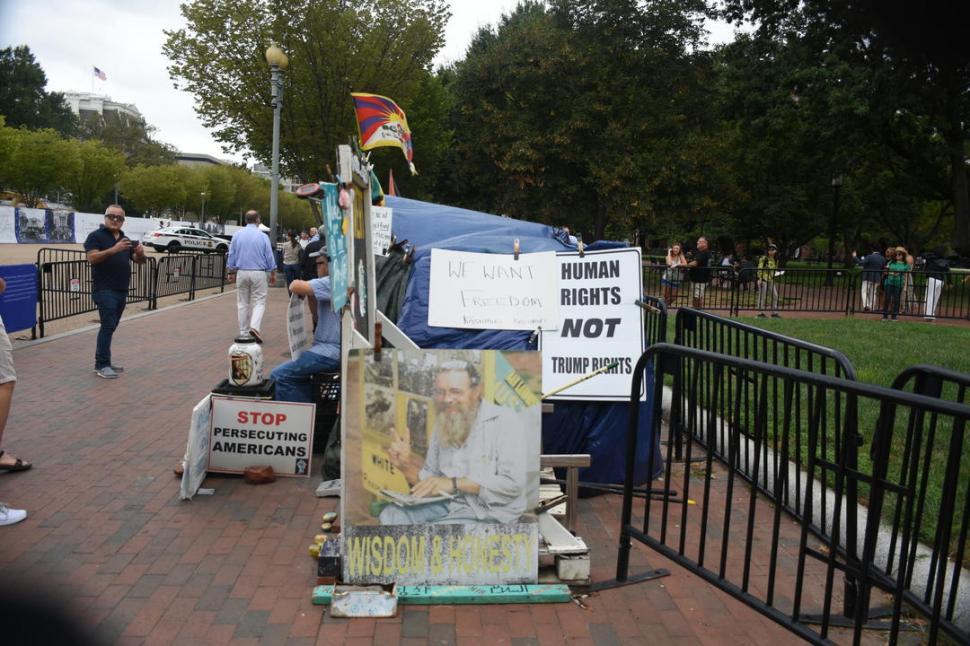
(441, 467)
(493, 291)
(600, 324)
(251, 432)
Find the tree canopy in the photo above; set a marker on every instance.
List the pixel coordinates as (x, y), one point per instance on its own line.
(24, 99)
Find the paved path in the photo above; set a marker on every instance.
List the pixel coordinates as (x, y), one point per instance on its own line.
(108, 538)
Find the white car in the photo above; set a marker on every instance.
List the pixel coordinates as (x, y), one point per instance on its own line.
(176, 239)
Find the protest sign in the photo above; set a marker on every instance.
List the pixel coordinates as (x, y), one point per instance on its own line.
(18, 303)
(197, 449)
(249, 432)
(336, 225)
(296, 328)
(493, 291)
(600, 323)
(380, 223)
(441, 467)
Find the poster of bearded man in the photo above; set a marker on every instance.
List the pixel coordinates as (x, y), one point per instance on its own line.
(441, 466)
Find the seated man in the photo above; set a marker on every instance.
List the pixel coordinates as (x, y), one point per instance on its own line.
(476, 458)
(293, 378)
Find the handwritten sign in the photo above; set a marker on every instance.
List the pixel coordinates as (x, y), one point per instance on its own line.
(380, 226)
(493, 291)
(600, 325)
(296, 328)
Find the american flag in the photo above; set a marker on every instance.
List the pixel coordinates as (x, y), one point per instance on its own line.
(101, 75)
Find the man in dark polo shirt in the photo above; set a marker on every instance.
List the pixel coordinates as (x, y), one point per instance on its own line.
(699, 271)
(110, 253)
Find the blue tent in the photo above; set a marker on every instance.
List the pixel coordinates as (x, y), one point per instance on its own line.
(574, 427)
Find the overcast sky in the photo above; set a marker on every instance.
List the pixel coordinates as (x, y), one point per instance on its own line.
(124, 39)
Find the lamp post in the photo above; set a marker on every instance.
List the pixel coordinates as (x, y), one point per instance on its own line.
(836, 186)
(202, 223)
(278, 62)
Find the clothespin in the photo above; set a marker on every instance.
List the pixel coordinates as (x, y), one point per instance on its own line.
(515, 249)
(378, 340)
(409, 256)
(580, 246)
(535, 335)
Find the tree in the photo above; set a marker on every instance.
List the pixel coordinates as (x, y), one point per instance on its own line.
(99, 171)
(131, 135)
(918, 62)
(23, 98)
(156, 190)
(381, 46)
(40, 162)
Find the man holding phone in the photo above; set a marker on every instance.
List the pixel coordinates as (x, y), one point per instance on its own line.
(110, 253)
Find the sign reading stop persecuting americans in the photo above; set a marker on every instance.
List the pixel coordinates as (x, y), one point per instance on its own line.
(600, 323)
(252, 432)
(493, 291)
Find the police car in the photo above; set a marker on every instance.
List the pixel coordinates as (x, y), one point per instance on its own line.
(175, 239)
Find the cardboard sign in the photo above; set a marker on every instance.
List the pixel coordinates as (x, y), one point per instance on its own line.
(297, 331)
(418, 423)
(196, 450)
(493, 291)
(600, 324)
(336, 224)
(250, 432)
(380, 226)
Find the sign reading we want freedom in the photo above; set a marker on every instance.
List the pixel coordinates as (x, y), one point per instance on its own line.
(600, 324)
(493, 291)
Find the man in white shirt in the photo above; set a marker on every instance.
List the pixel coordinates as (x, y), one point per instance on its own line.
(250, 260)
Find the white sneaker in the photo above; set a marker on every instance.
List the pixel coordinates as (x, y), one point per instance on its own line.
(106, 373)
(9, 516)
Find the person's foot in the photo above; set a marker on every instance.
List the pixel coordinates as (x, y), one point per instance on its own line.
(929, 318)
(885, 318)
(256, 335)
(761, 315)
(106, 373)
(118, 369)
(895, 320)
(866, 308)
(775, 315)
(10, 463)
(9, 515)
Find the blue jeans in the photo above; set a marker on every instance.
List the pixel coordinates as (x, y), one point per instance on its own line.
(111, 305)
(292, 273)
(293, 377)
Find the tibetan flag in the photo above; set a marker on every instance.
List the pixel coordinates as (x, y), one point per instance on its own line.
(382, 123)
(101, 75)
(391, 186)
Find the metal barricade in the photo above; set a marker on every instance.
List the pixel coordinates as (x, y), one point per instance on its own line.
(733, 537)
(64, 280)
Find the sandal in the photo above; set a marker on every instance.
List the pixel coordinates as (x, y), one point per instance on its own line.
(18, 465)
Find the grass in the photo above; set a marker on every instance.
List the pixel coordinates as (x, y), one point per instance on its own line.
(879, 352)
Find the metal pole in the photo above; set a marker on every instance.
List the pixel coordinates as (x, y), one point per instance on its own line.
(836, 185)
(202, 223)
(276, 81)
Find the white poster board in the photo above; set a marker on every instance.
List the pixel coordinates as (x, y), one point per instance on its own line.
(8, 233)
(380, 225)
(493, 291)
(600, 324)
(254, 432)
(197, 450)
(85, 223)
(297, 331)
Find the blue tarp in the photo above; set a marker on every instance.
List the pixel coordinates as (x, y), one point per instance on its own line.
(574, 427)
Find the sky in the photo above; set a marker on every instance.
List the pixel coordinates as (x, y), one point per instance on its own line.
(124, 39)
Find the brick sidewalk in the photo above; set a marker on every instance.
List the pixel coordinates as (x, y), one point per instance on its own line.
(108, 536)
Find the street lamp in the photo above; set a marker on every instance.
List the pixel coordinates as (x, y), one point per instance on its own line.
(278, 62)
(836, 185)
(202, 223)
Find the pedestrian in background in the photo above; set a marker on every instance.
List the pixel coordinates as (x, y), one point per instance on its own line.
(872, 266)
(767, 266)
(673, 276)
(110, 253)
(250, 258)
(292, 258)
(896, 273)
(699, 272)
(936, 266)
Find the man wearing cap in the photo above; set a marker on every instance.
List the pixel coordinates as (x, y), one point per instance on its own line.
(110, 253)
(250, 258)
(293, 377)
(767, 266)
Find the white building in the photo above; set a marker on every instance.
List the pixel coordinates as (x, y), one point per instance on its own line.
(80, 102)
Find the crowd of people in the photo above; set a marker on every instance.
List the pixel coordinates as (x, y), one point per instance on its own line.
(887, 282)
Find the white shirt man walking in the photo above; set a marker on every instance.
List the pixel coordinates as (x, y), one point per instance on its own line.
(250, 258)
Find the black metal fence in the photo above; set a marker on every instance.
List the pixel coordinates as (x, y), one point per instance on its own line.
(65, 281)
(809, 290)
(734, 538)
